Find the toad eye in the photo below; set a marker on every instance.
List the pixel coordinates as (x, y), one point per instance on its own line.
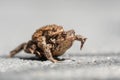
(54, 29)
(64, 34)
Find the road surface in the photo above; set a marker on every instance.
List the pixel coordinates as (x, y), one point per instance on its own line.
(75, 67)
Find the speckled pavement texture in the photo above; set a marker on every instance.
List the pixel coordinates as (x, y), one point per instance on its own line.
(75, 67)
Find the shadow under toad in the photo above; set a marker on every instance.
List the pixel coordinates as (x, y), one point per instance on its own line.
(37, 58)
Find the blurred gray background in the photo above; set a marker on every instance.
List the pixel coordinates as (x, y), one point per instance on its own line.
(99, 20)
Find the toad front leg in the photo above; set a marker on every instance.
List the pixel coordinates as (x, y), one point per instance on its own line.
(82, 39)
(46, 49)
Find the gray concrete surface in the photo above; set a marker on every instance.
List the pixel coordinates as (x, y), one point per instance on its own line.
(75, 67)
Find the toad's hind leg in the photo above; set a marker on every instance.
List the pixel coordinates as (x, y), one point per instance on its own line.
(17, 49)
(46, 50)
(82, 39)
(48, 54)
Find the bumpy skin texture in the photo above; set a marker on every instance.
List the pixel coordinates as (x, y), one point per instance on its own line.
(49, 41)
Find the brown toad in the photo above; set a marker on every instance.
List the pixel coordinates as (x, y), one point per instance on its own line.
(49, 41)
